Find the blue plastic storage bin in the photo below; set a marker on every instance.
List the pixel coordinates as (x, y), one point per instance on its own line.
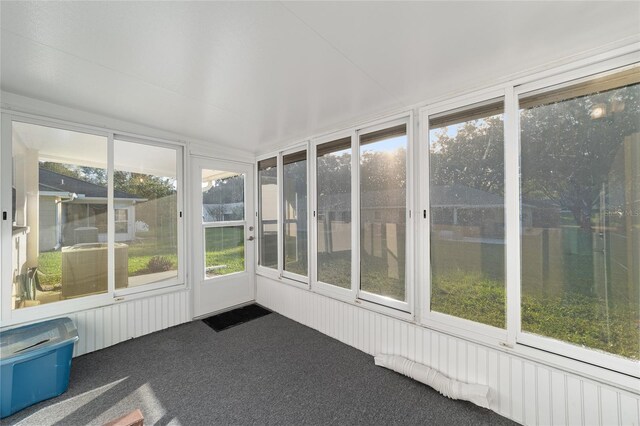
(35, 362)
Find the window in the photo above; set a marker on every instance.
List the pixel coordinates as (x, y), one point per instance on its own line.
(466, 211)
(268, 212)
(580, 204)
(122, 221)
(333, 170)
(145, 198)
(59, 234)
(68, 221)
(383, 211)
(294, 209)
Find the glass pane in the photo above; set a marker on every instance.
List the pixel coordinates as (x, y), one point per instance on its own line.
(222, 196)
(295, 212)
(224, 250)
(146, 212)
(59, 218)
(383, 175)
(334, 212)
(466, 196)
(581, 218)
(268, 213)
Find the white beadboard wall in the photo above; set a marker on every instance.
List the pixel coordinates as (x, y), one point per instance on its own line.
(524, 391)
(102, 327)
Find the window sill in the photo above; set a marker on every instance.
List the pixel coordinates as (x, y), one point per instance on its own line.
(273, 275)
(563, 363)
(68, 307)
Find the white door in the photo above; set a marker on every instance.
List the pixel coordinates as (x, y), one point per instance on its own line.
(223, 235)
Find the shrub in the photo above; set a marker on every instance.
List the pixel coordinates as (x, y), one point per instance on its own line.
(159, 264)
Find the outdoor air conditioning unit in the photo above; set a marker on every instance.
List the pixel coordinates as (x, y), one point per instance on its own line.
(85, 269)
(88, 234)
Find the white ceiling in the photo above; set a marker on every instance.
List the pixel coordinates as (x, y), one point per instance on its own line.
(248, 75)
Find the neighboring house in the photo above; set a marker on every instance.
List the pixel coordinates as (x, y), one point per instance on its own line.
(73, 211)
(223, 212)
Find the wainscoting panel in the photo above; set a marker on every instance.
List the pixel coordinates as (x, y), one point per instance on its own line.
(102, 327)
(525, 391)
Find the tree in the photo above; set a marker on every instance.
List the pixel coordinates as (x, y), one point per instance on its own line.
(61, 168)
(567, 151)
(139, 184)
(474, 157)
(225, 191)
(334, 174)
(143, 185)
(383, 170)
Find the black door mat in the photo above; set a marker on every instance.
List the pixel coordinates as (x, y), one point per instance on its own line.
(235, 317)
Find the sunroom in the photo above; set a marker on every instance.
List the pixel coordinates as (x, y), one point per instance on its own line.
(240, 206)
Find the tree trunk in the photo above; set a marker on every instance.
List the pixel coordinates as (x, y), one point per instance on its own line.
(582, 217)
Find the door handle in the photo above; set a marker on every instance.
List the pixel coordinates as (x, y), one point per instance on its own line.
(251, 238)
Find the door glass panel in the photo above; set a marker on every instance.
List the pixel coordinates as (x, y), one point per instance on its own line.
(224, 250)
(146, 213)
(222, 196)
(223, 201)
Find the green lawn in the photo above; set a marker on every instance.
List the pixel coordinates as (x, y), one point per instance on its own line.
(572, 317)
(50, 268)
(291, 264)
(225, 246)
(224, 250)
(470, 296)
(335, 268)
(50, 263)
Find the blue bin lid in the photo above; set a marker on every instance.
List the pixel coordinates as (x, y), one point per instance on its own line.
(22, 340)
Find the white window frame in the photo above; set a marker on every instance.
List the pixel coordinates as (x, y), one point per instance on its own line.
(12, 316)
(212, 225)
(202, 227)
(407, 305)
(331, 290)
(281, 214)
(388, 306)
(260, 269)
(591, 356)
(438, 320)
(180, 213)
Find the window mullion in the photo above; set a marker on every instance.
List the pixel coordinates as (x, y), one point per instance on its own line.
(6, 170)
(355, 214)
(280, 214)
(512, 214)
(111, 280)
(312, 232)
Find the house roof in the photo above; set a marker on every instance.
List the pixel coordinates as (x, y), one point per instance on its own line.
(57, 182)
(441, 196)
(463, 196)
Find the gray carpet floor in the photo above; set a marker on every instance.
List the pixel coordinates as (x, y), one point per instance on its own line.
(267, 371)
